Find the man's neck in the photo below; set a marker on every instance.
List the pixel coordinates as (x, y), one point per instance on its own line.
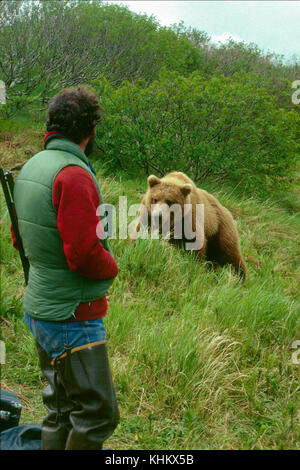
(84, 143)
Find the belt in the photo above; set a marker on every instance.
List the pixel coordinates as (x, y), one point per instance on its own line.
(78, 348)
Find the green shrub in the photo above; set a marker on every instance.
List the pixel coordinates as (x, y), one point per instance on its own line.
(221, 127)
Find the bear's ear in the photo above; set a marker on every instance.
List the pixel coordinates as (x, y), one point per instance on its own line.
(152, 181)
(186, 189)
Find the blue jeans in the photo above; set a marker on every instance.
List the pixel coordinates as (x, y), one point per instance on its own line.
(53, 337)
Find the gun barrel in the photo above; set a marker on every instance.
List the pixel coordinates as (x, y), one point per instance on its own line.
(7, 183)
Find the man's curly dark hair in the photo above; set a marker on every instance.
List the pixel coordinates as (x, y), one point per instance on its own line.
(74, 112)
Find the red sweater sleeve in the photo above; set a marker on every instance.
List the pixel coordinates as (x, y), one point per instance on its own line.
(76, 199)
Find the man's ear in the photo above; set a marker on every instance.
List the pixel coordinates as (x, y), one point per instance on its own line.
(94, 129)
(186, 189)
(153, 180)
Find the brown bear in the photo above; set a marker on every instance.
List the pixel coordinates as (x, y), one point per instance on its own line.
(220, 240)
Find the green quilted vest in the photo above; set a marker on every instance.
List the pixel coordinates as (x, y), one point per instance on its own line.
(53, 291)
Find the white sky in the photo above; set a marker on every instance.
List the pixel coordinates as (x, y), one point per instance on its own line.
(272, 25)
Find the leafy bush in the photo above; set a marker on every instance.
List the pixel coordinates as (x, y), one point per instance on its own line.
(221, 127)
(45, 46)
(221, 111)
(16, 104)
(275, 74)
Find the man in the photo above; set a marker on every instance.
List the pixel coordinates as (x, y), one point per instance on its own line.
(56, 196)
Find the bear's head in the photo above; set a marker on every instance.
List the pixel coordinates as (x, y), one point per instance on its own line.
(166, 199)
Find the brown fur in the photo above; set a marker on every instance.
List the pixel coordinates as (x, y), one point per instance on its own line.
(221, 240)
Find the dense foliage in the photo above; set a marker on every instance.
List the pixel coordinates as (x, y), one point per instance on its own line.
(173, 100)
(225, 127)
(45, 46)
(48, 45)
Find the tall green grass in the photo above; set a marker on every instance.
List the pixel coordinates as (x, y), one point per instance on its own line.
(200, 360)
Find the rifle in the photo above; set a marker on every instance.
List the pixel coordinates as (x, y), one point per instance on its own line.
(7, 183)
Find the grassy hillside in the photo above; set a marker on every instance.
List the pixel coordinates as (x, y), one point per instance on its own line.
(200, 361)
